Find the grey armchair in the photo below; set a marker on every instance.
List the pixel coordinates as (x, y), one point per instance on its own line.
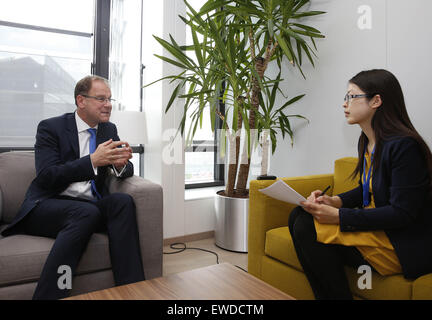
(22, 257)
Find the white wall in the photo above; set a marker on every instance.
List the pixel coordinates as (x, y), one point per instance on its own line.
(163, 20)
(199, 215)
(409, 43)
(399, 41)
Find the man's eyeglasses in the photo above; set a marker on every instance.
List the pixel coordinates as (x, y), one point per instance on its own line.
(349, 97)
(100, 99)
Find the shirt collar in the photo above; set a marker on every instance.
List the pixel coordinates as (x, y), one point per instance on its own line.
(81, 125)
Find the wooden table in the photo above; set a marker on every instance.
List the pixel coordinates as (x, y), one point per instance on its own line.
(217, 282)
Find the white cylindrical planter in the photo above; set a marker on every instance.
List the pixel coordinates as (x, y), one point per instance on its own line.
(232, 216)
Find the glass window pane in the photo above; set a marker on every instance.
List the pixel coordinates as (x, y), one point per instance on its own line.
(38, 73)
(125, 54)
(199, 167)
(76, 15)
(204, 132)
(17, 40)
(33, 88)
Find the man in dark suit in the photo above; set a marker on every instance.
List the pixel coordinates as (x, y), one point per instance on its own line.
(69, 201)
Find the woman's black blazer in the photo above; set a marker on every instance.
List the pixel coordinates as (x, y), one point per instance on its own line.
(401, 190)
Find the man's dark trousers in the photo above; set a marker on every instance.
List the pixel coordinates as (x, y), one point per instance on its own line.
(71, 222)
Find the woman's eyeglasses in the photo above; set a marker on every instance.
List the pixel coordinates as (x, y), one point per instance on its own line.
(349, 97)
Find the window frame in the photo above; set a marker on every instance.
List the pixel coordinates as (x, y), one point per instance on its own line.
(100, 65)
(218, 168)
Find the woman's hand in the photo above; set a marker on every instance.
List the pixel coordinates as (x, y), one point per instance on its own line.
(322, 213)
(315, 197)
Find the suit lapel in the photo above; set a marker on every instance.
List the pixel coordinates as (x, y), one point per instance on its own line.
(72, 133)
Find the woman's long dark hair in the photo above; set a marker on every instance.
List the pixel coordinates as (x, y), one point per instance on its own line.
(390, 119)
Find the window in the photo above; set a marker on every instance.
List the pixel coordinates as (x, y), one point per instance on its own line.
(203, 167)
(125, 64)
(125, 61)
(42, 55)
(48, 46)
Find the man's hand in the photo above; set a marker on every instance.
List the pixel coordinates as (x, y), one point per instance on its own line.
(322, 213)
(126, 153)
(107, 153)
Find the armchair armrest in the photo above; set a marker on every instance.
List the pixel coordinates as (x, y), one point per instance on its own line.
(266, 213)
(148, 199)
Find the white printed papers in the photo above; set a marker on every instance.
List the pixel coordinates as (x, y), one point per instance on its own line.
(281, 191)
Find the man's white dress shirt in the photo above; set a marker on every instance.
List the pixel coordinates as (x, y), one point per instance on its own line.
(82, 189)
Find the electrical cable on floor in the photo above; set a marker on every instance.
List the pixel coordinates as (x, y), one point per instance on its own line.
(184, 247)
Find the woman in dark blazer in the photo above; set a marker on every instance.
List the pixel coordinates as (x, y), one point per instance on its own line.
(392, 202)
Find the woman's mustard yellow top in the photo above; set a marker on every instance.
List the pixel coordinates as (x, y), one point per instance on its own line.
(373, 245)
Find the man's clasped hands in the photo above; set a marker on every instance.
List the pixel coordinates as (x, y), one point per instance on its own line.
(109, 153)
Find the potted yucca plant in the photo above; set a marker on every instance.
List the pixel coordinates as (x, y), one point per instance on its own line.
(234, 42)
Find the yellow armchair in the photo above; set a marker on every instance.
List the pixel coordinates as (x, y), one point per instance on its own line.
(271, 254)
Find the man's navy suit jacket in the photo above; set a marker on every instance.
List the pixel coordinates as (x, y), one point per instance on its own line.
(58, 163)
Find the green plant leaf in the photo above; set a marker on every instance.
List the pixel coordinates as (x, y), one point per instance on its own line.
(173, 96)
(284, 47)
(313, 41)
(288, 32)
(288, 8)
(299, 52)
(289, 102)
(173, 62)
(270, 27)
(176, 52)
(197, 47)
(274, 91)
(273, 140)
(305, 48)
(298, 116)
(307, 14)
(164, 78)
(308, 33)
(300, 4)
(212, 5)
(308, 28)
(195, 94)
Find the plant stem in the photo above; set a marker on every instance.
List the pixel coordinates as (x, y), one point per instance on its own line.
(232, 167)
(265, 153)
(256, 90)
